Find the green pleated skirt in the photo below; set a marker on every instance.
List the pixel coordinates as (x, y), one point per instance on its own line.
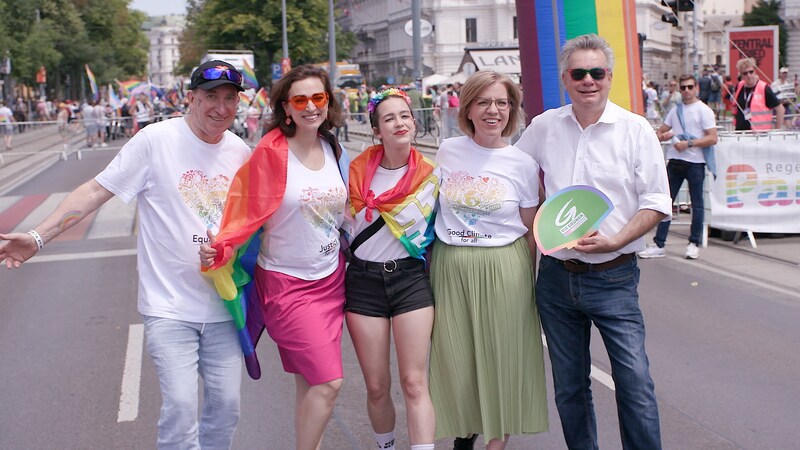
(486, 368)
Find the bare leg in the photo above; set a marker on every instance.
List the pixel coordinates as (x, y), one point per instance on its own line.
(314, 405)
(497, 444)
(370, 337)
(412, 337)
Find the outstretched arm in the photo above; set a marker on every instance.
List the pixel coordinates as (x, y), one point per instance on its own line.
(16, 248)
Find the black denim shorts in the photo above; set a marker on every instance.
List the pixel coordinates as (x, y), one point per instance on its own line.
(386, 289)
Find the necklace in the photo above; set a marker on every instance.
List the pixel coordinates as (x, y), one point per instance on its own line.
(393, 168)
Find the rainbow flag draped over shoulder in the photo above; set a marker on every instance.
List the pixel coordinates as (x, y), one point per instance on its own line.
(557, 21)
(249, 76)
(92, 83)
(255, 194)
(406, 207)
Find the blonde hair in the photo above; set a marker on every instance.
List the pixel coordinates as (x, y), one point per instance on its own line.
(745, 63)
(475, 84)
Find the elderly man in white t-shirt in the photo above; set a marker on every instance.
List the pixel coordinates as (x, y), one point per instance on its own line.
(179, 171)
(692, 130)
(784, 89)
(597, 143)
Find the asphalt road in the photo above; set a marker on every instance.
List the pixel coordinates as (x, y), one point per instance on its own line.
(722, 350)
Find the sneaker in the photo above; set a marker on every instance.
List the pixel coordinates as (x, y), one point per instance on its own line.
(103, 145)
(652, 251)
(692, 252)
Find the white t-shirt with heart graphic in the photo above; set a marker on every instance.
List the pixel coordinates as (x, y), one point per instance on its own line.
(180, 183)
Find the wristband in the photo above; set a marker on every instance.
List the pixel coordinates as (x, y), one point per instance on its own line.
(37, 238)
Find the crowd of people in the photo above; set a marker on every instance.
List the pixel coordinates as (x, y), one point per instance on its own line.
(435, 256)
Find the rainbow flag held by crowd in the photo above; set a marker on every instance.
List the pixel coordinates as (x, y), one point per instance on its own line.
(244, 100)
(261, 98)
(555, 22)
(129, 85)
(249, 76)
(113, 98)
(92, 83)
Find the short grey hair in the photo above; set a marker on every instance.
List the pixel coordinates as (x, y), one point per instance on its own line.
(585, 42)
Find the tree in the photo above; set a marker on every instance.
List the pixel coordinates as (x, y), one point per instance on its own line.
(256, 25)
(767, 12)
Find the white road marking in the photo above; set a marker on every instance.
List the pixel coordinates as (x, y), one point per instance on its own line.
(87, 255)
(131, 375)
(736, 276)
(595, 373)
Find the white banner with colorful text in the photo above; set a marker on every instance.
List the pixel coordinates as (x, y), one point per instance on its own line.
(758, 183)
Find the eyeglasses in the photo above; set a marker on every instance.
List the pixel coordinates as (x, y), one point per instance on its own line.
(502, 104)
(215, 73)
(299, 102)
(597, 73)
(748, 72)
(687, 87)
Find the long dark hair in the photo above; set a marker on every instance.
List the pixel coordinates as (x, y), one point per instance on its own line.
(279, 96)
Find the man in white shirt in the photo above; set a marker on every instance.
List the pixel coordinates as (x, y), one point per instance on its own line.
(179, 171)
(784, 89)
(597, 143)
(692, 132)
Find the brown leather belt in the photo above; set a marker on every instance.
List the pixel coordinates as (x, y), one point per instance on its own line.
(578, 266)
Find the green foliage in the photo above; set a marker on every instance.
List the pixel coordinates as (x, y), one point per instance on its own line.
(767, 12)
(65, 35)
(256, 25)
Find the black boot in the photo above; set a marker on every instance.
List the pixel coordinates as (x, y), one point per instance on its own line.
(467, 443)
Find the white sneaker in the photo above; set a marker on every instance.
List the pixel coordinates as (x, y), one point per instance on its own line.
(652, 251)
(692, 252)
(103, 145)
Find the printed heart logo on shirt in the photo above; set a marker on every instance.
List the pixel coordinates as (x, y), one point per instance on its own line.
(204, 195)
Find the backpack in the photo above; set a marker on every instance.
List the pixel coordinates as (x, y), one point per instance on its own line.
(715, 84)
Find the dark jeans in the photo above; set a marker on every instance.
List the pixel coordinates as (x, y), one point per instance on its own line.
(569, 303)
(694, 174)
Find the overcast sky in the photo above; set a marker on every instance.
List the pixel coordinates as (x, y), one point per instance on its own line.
(160, 7)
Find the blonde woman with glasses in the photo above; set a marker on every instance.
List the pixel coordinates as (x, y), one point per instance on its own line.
(486, 370)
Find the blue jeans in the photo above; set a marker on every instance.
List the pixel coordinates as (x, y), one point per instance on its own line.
(181, 351)
(568, 305)
(694, 174)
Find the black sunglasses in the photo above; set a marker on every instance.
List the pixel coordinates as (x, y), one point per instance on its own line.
(687, 86)
(215, 73)
(597, 73)
(748, 72)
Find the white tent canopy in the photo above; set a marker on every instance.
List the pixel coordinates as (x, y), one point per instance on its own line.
(434, 80)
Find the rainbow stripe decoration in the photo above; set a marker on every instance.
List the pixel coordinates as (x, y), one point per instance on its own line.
(249, 76)
(557, 21)
(244, 100)
(261, 98)
(92, 83)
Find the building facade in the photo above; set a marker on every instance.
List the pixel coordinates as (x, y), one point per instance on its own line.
(384, 49)
(163, 33)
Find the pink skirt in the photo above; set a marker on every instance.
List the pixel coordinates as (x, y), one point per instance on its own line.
(305, 319)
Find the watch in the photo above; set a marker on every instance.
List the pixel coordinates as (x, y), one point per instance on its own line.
(689, 143)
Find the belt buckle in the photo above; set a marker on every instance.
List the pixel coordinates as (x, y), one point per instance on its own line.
(387, 269)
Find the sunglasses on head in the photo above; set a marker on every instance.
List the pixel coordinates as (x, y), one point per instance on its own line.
(215, 73)
(299, 102)
(597, 73)
(749, 72)
(687, 86)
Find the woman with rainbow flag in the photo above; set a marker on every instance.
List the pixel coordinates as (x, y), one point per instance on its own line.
(387, 287)
(487, 369)
(293, 192)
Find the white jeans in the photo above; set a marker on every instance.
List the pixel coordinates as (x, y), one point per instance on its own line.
(181, 351)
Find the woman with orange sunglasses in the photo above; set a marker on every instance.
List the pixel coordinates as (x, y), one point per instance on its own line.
(293, 192)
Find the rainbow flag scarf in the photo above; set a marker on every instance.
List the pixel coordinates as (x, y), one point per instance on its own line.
(412, 199)
(255, 194)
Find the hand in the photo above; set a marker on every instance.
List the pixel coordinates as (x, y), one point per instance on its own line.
(596, 243)
(681, 146)
(16, 248)
(208, 253)
(665, 136)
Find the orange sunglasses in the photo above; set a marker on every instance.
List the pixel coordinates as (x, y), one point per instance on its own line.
(299, 102)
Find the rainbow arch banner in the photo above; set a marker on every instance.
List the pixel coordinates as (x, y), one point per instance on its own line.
(556, 21)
